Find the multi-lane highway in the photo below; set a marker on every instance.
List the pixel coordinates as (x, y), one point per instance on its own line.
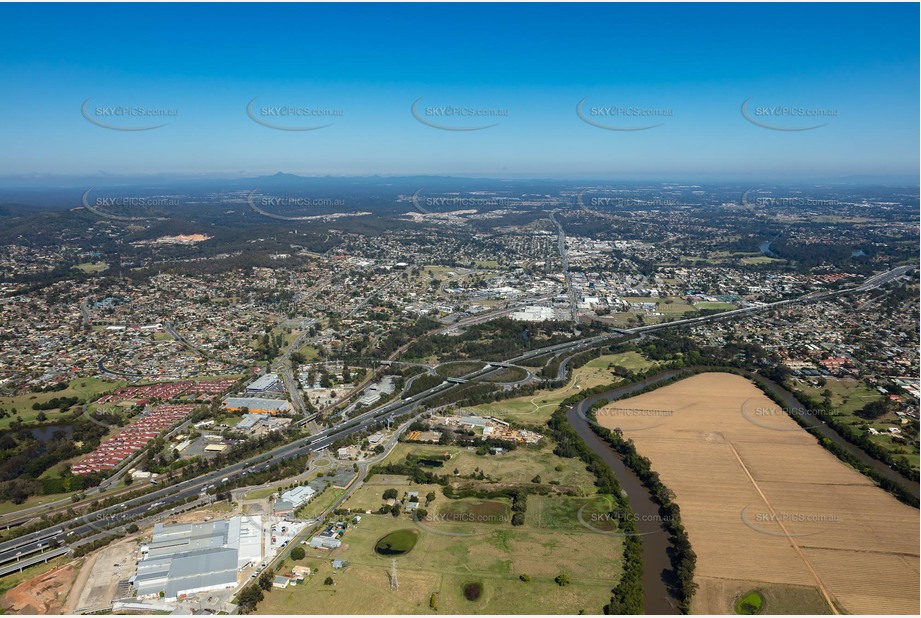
(567, 276)
(283, 367)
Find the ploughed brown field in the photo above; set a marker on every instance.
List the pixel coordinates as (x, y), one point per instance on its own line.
(764, 504)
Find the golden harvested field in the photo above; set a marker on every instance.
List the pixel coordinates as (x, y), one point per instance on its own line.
(763, 502)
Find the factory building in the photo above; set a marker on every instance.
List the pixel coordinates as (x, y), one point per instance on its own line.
(299, 495)
(186, 559)
(268, 382)
(257, 405)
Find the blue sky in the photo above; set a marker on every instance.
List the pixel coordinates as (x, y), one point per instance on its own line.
(693, 65)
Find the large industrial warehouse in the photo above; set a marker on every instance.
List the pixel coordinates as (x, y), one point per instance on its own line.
(185, 559)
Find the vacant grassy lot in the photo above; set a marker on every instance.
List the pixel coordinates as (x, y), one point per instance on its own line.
(369, 497)
(518, 466)
(319, 504)
(493, 554)
(763, 259)
(260, 494)
(631, 360)
(847, 394)
(563, 512)
(92, 267)
(668, 306)
(310, 352)
(84, 388)
(790, 513)
(714, 305)
(467, 510)
(454, 369)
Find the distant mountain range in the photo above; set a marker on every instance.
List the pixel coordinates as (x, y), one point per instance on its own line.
(283, 180)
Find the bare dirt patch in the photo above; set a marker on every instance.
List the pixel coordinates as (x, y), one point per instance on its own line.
(43, 594)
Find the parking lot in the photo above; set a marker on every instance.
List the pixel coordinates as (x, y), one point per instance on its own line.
(108, 576)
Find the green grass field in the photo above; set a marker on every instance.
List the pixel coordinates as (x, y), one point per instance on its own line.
(467, 541)
(714, 305)
(762, 259)
(493, 554)
(538, 407)
(562, 512)
(85, 388)
(749, 604)
(494, 511)
(455, 369)
(667, 305)
(633, 361)
(849, 395)
(261, 494)
(310, 352)
(369, 497)
(92, 267)
(319, 504)
(668, 308)
(518, 466)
